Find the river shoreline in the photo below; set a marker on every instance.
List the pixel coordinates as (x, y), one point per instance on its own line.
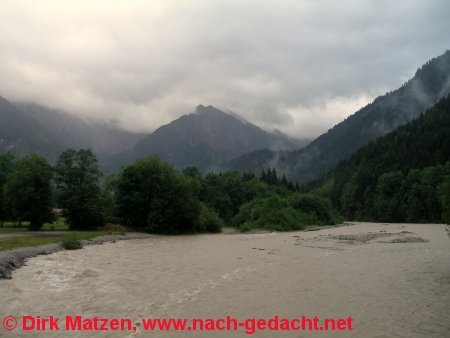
(13, 259)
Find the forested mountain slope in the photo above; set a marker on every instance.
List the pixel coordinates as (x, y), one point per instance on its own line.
(430, 83)
(403, 176)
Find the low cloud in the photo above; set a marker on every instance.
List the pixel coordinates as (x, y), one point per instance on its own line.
(312, 119)
(299, 66)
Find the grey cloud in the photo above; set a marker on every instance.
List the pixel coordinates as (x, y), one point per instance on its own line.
(292, 65)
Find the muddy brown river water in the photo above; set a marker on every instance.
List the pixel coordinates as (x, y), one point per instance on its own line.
(392, 279)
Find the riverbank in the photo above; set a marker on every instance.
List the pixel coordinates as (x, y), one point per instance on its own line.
(13, 259)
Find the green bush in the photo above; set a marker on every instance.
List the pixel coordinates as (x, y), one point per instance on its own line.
(111, 227)
(208, 220)
(247, 226)
(71, 243)
(273, 213)
(285, 213)
(318, 208)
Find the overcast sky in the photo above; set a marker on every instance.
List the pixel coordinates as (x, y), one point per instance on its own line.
(299, 66)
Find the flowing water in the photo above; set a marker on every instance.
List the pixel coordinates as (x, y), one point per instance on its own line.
(394, 280)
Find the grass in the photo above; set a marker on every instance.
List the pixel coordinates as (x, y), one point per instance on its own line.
(58, 225)
(35, 240)
(8, 229)
(25, 241)
(47, 234)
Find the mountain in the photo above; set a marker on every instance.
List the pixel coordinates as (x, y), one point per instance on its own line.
(21, 134)
(430, 83)
(73, 132)
(398, 177)
(204, 139)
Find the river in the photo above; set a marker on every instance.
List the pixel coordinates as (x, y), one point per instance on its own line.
(393, 280)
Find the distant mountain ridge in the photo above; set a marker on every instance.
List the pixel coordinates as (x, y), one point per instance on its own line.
(74, 132)
(430, 83)
(21, 134)
(204, 139)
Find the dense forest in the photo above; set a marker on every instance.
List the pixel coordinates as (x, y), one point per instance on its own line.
(150, 195)
(402, 177)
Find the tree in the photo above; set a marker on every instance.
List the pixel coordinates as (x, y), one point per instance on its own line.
(270, 177)
(444, 196)
(152, 196)
(347, 199)
(108, 191)
(192, 172)
(195, 178)
(388, 198)
(77, 181)
(215, 197)
(254, 188)
(415, 208)
(28, 191)
(6, 165)
(232, 186)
